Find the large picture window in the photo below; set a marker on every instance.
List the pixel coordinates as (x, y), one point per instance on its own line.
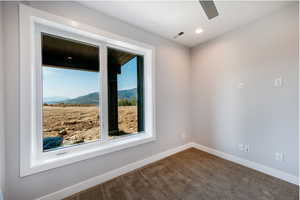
(83, 92)
(71, 92)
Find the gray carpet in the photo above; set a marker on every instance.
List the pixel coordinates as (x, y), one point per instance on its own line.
(192, 175)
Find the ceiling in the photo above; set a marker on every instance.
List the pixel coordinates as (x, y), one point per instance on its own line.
(167, 18)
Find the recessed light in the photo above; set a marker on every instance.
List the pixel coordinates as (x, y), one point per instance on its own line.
(198, 30)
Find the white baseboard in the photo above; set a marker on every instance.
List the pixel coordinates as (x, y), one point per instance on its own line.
(132, 166)
(250, 164)
(111, 174)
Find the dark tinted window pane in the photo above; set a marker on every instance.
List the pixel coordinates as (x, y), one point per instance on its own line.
(125, 93)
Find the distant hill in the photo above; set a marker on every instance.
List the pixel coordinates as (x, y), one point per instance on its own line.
(93, 98)
(52, 100)
(127, 94)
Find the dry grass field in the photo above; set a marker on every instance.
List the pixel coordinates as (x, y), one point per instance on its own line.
(80, 123)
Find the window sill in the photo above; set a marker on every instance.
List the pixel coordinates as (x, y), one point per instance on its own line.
(75, 154)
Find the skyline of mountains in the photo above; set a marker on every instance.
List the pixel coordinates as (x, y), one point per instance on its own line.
(91, 98)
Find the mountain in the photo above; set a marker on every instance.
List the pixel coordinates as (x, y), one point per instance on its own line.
(127, 94)
(51, 100)
(93, 98)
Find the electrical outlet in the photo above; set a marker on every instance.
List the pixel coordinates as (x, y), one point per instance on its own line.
(240, 85)
(183, 136)
(278, 82)
(279, 156)
(241, 147)
(246, 148)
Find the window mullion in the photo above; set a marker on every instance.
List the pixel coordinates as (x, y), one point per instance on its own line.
(38, 95)
(104, 92)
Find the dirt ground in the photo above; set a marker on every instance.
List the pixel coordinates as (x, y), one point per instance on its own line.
(80, 123)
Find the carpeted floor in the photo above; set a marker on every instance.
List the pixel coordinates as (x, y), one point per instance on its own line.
(192, 175)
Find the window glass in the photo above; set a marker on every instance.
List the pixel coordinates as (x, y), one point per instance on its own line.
(71, 93)
(125, 93)
(71, 102)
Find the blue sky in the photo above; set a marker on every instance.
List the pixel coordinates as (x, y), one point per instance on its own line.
(68, 83)
(128, 77)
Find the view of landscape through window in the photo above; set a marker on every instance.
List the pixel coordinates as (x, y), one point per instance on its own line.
(71, 106)
(71, 113)
(127, 98)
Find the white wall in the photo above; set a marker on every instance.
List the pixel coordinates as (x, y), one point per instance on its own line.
(2, 148)
(260, 115)
(172, 98)
(223, 116)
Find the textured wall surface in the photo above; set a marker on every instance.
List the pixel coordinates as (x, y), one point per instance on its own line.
(261, 115)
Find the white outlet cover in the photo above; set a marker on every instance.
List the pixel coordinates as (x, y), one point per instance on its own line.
(240, 85)
(279, 156)
(278, 82)
(247, 148)
(241, 147)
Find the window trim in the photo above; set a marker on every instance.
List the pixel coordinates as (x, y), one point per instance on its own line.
(30, 161)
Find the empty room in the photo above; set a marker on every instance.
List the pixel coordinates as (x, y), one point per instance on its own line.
(149, 100)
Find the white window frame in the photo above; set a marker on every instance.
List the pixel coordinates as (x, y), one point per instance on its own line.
(32, 157)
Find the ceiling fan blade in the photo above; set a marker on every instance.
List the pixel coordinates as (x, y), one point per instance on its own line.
(209, 8)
